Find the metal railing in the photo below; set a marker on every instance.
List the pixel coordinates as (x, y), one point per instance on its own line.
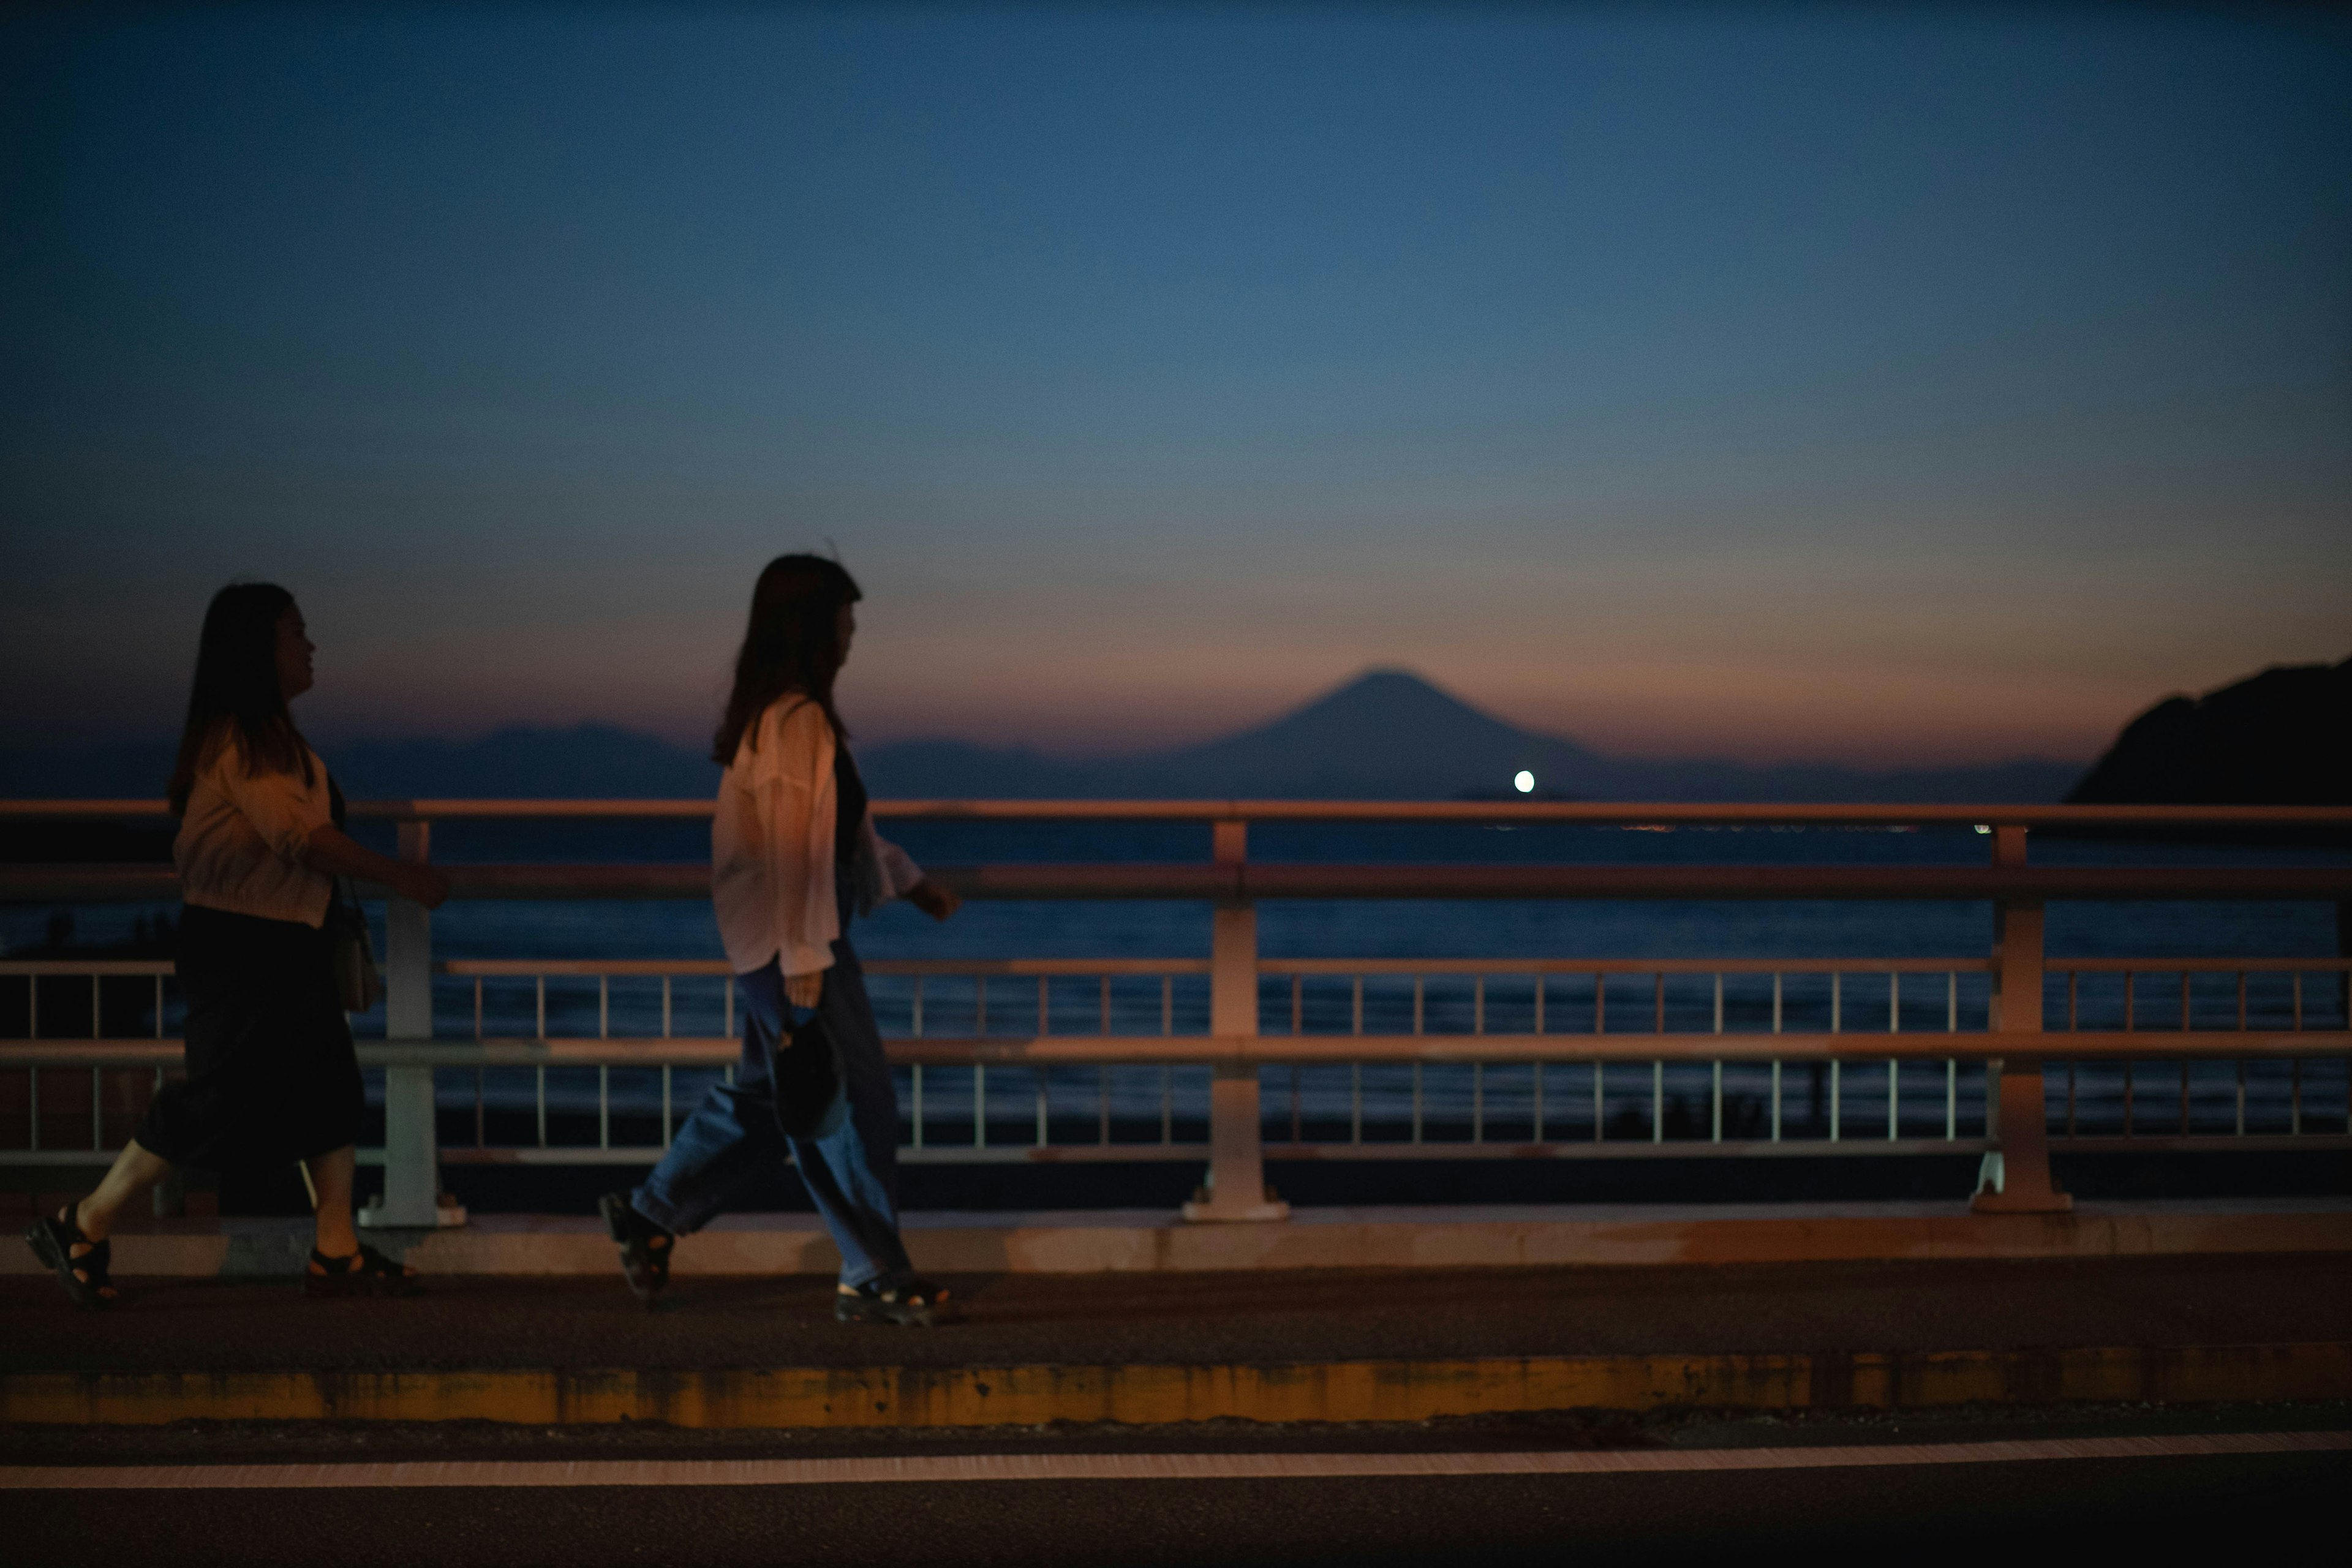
(1458, 1059)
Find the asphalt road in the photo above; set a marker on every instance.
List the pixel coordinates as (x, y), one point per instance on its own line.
(2096, 1508)
(490, 1323)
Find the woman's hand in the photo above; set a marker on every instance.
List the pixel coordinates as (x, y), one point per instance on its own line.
(933, 899)
(802, 990)
(422, 885)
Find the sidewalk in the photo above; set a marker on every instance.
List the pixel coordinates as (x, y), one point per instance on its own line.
(1092, 1241)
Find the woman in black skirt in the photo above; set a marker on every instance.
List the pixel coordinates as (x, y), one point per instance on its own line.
(272, 1077)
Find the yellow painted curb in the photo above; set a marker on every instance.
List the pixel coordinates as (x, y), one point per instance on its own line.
(1300, 1391)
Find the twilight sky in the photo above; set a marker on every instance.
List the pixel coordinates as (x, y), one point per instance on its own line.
(1885, 384)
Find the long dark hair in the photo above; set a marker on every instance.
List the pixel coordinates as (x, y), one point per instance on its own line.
(794, 643)
(236, 689)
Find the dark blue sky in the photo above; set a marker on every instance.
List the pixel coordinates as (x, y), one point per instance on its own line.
(1872, 383)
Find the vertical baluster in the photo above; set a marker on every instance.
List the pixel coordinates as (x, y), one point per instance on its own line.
(2297, 978)
(481, 1110)
(1951, 1099)
(2131, 1004)
(1478, 1004)
(2184, 1001)
(1837, 997)
(1038, 1076)
(918, 1076)
(33, 1010)
(2242, 1090)
(1299, 1004)
(1952, 1002)
(1168, 1105)
(2184, 1096)
(980, 1105)
(1716, 1118)
(666, 1104)
(1836, 1096)
(1167, 1004)
(2070, 1099)
(1418, 988)
(604, 1007)
(95, 1031)
(541, 1014)
(1776, 1001)
(1539, 1004)
(1894, 1111)
(980, 1005)
(1539, 1104)
(1893, 1002)
(1105, 1011)
(666, 1026)
(1776, 1090)
(1416, 1100)
(1044, 1010)
(1478, 1102)
(1357, 1015)
(2295, 1097)
(478, 1009)
(2127, 1097)
(1600, 1002)
(2241, 1000)
(1657, 1101)
(1102, 1091)
(1296, 1133)
(540, 1092)
(1658, 1021)
(1718, 1003)
(1600, 1128)
(2073, 995)
(1356, 1102)
(603, 1106)
(915, 1018)
(159, 1004)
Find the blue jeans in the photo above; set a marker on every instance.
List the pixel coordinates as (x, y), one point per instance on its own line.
(731, 1140)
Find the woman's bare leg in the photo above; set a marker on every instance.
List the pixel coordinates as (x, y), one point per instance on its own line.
(332, 1173)
(134, 1170)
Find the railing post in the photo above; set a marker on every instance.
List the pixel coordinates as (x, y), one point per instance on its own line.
(2015, 1177)
(1236, 1188)
(411, 1162)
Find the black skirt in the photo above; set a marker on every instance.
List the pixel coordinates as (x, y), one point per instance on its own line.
(272, 1076)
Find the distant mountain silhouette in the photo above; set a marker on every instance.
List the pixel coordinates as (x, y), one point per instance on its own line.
(2280, 738)
(1386, 735)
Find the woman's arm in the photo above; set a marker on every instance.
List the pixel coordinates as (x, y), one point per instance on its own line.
(338, 854)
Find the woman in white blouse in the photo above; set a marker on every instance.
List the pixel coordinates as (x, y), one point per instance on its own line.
(272, 1077)
(793, 855)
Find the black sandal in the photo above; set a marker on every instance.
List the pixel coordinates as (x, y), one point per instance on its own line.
(906, 1301)
(87, 1278)
(366, 1272)
(645, 1263)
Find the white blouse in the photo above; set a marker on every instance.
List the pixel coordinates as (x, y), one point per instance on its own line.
(241, 840)
(771, 878)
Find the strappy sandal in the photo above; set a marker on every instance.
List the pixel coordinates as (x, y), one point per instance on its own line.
(366, 1272)
(87, 1278)
(645, 1245)
(906, 1301)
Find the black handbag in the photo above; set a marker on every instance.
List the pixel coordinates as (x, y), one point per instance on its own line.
(805, 1080)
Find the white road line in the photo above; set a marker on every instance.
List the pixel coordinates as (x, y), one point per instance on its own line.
(937, 1468)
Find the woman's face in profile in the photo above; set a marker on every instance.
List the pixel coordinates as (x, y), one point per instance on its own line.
(294, 651)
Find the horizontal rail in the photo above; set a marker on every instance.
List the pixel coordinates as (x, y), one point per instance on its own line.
(1283, 1049)
(1207, 882)
(1596, 812)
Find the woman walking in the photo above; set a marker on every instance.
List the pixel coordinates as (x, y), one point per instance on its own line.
(793, 855)
(272, 1077)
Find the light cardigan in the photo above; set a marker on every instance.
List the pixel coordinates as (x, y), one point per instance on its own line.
(771, 845)
(244, 836)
